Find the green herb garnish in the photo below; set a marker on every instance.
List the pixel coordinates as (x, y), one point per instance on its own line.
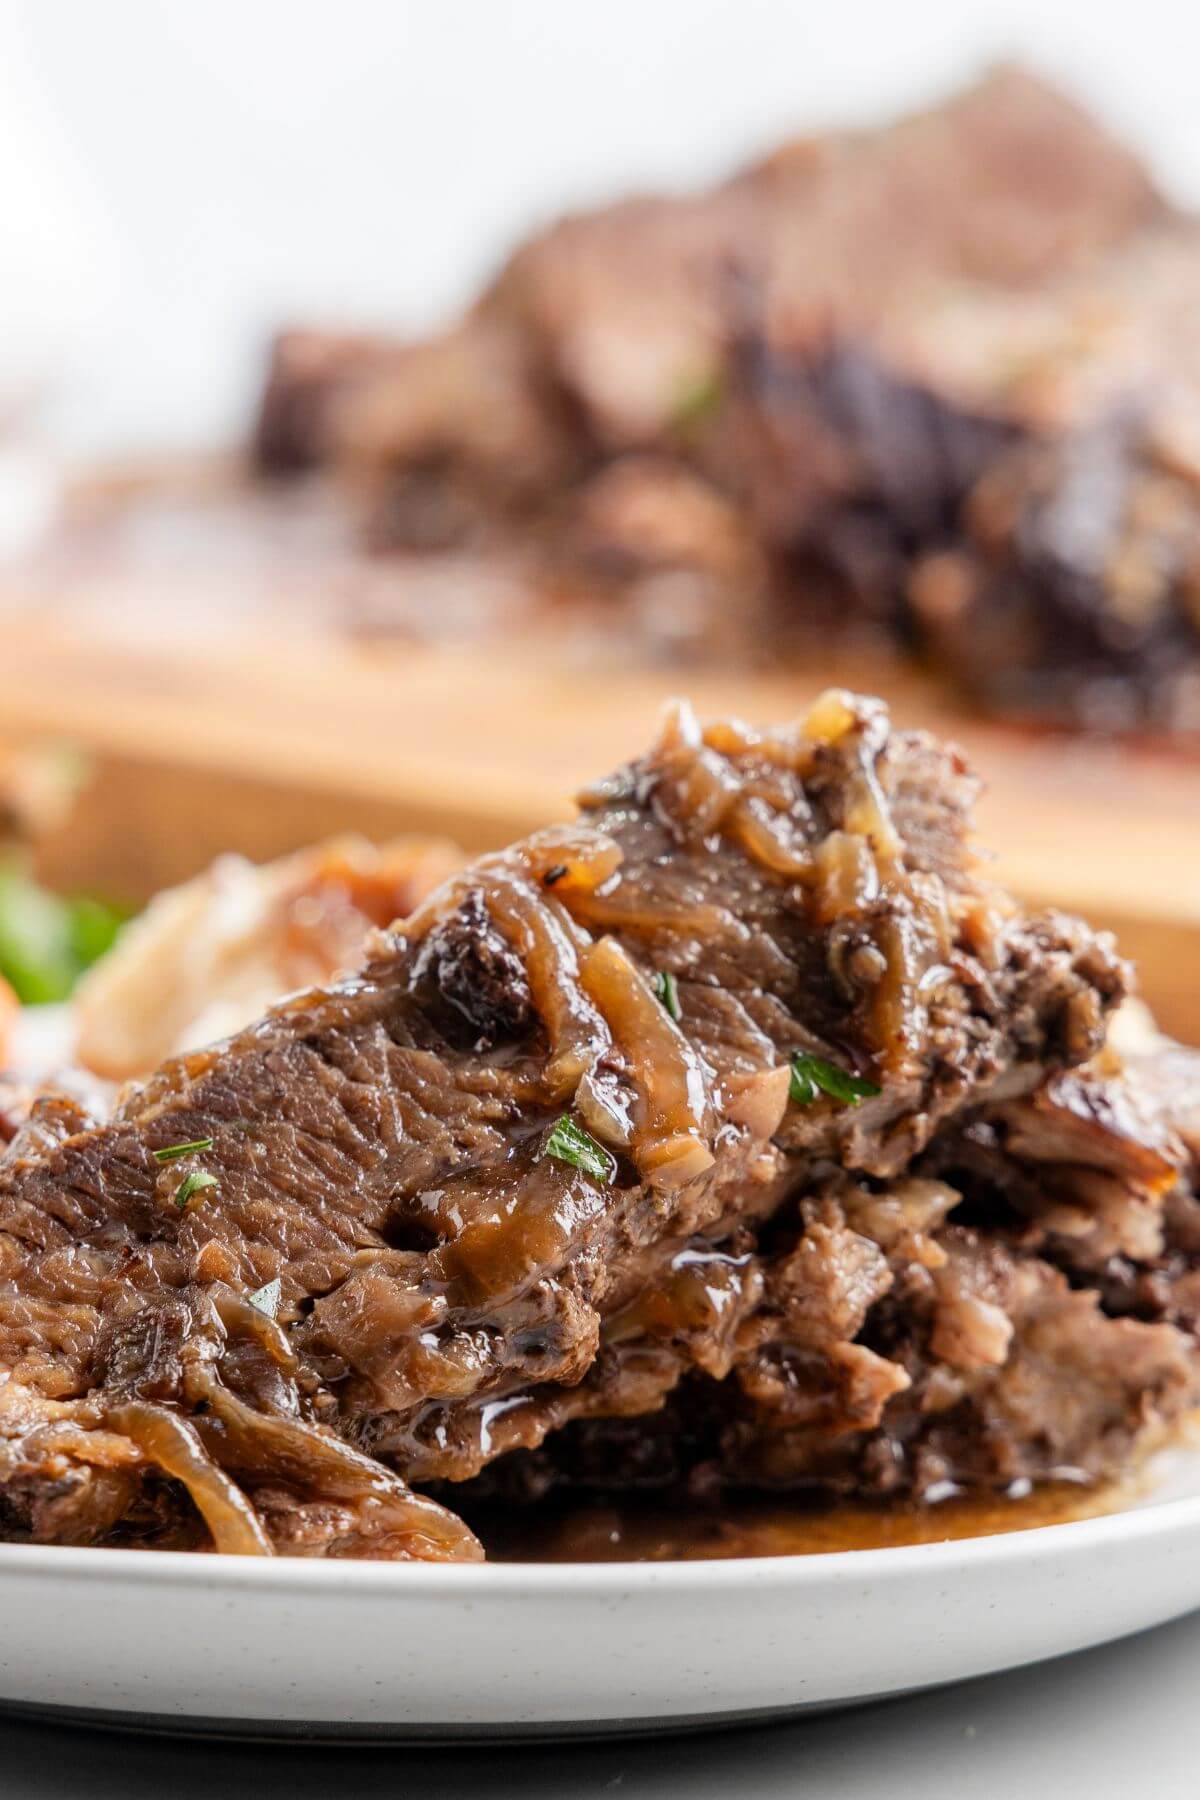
(698, 400)
(667, 989)
(570, 1143)
(172, 1152)
(266, 1298)
(193, 1183)
(812, 1075)
(46, 941)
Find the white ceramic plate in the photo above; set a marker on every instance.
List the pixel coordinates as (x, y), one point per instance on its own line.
(293, 1648)
(359, 1649)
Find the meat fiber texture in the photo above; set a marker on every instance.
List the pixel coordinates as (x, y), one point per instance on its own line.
(346, 1250)
(1022, 1307)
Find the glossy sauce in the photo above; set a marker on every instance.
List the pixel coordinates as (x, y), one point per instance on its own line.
(643, 1531)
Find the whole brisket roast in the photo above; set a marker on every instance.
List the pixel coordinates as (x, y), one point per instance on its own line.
(935, 383)
(676, 1106)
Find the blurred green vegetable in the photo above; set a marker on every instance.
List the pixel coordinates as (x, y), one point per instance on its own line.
(47, 940)
(698, 400)
(93, 926)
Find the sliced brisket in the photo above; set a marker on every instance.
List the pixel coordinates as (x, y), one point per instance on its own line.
(339, 1251)
(1031, 1316)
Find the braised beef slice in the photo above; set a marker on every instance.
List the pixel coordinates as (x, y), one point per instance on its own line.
(881, 1347)
(444, 1282)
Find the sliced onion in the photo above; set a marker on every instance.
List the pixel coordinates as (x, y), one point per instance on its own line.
(671, 1102)
(172, 1445)
(575, 1029)
(762, 837)
(599, 1109)
(758, 1101)
(313, 1460)
(580, 860)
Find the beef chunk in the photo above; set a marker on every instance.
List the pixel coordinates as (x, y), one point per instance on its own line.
(444, 1278)
(1075, 592)
(1099, 1171)
(1007, 480)
(1031, 1316)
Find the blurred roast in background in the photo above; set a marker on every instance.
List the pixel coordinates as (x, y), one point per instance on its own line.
(397, 405)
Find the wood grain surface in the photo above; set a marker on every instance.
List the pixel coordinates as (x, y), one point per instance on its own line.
(200, 741)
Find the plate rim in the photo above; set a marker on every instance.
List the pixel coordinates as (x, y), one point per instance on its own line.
(544, 1580)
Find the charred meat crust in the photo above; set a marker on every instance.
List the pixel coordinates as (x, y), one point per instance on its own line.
(468, 972)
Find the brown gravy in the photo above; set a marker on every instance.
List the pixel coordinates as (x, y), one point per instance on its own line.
(653, 1531)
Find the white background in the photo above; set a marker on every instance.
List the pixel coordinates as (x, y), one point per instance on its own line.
(176, 176)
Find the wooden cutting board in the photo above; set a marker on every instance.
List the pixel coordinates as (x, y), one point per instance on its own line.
(258, 739)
